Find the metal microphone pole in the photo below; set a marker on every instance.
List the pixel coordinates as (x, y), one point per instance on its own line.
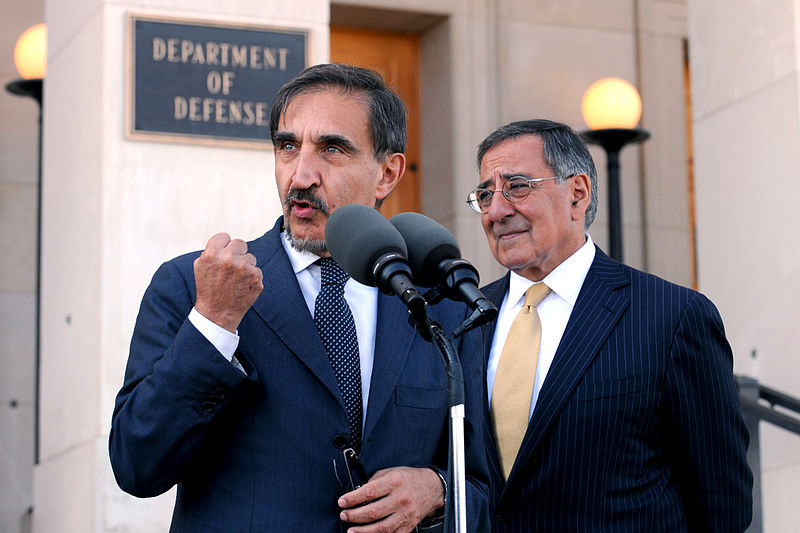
(456, 504)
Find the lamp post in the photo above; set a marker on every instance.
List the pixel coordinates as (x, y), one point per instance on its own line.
(611, 107)
(30, 58)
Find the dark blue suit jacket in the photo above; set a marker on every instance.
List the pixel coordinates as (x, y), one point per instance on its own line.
(257, 453)
(638, 426)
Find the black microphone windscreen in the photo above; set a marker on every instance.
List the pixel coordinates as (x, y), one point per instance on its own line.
(428, 242)
(357, 235)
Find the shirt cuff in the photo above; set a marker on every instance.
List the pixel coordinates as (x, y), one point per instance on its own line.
(223, 340)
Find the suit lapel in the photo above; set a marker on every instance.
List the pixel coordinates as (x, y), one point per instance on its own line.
(282, 307)
(393, 340)
(598, 308)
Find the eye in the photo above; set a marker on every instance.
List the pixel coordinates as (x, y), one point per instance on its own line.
(332, 150)
(517, 188)
(483, 196)
(515, 184)
(286, 146)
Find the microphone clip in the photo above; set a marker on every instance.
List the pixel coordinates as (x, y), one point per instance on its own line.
(484, 312)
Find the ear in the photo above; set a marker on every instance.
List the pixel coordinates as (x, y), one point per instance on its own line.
(392, 171)
(581, 190)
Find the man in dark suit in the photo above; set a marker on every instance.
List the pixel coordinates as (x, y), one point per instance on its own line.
(612, 405)
(258, 408)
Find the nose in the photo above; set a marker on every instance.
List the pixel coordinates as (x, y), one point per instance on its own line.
(306, 171)
(500, 207)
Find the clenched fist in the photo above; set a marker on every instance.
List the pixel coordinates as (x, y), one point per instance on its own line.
(228, 281)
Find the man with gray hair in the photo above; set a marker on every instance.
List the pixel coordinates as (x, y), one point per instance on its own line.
(611, 404)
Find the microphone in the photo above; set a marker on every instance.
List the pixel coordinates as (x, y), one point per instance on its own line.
(372, 252)
(436, 261)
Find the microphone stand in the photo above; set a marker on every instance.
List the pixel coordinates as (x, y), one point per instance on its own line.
(385, 273)
(455, 511)
(455, 505)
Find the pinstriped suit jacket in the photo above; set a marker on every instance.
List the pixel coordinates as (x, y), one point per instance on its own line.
(638, 426)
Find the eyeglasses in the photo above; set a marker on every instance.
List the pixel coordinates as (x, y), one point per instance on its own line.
(356, 475)
(515, 189)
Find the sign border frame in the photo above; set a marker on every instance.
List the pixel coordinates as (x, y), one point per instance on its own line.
(187, 138)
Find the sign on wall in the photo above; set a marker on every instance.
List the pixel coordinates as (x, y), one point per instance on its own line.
(207, 82)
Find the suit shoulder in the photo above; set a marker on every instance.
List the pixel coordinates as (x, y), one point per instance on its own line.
(646, 279)
(654, 289)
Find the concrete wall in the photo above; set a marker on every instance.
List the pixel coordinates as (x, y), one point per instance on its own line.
(746, 91)
(18, 191)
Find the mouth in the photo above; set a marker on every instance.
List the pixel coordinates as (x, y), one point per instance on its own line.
(302, 203)
(302, 209)
(507, 234)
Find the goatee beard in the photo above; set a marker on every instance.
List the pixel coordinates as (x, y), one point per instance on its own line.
(305, 244)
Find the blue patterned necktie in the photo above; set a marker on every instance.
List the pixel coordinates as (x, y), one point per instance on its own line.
(336, 327)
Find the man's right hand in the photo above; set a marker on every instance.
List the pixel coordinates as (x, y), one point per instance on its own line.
(228, 281)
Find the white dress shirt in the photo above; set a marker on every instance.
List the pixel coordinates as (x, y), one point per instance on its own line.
(363, 302)
(565, 282)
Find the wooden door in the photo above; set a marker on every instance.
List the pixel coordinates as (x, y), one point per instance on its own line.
(396, 56)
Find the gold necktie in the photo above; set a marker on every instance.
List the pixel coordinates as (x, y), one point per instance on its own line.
(513, 382)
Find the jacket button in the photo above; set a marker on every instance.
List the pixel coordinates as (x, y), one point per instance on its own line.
(340, 441)
(207, 407)
(504, 516)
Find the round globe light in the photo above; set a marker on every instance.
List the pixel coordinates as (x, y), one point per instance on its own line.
(611, 103)
(30, 52)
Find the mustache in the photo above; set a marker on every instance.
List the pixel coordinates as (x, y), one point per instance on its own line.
(306, 196)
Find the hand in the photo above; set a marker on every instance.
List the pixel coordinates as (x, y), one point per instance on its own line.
(228, 281)
(399, 498)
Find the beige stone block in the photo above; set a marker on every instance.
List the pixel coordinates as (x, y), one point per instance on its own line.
(779, 494)
(435, 7)
(74, 14)
(64, 491)
(71, 323)
(615, 15)
(663, 17)
(669, 254)
(746, 172)
(664, 112)
(273, 10)
(19, 139)
(18, 237)
(17, 348)
(16, 484)
(16, 416)
(70, 376)
(754, 47)
(633, 253)
(551, 67)
(75, 492)
(120, 511)
(437, 121)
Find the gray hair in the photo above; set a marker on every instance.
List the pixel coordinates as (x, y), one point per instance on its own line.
(564, 152)
(387, 113)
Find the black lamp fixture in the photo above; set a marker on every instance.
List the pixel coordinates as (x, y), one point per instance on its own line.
(611, 107)
(30, 58)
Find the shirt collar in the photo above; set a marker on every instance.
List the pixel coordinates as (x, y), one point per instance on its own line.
(299, 260)
(564, 281)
